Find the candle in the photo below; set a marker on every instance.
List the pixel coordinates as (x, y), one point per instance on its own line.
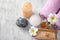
(27, 9)
(35, 20)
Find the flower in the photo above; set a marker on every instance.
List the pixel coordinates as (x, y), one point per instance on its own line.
(33, 31)
(52, 18)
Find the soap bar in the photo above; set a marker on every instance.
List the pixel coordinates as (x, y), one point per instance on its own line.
(27, 9)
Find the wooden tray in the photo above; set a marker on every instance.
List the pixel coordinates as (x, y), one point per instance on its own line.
(46, 34)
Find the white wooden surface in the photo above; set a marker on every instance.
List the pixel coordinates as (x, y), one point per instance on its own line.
(10, 10)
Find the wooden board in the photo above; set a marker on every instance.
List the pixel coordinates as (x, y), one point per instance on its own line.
(46, 34)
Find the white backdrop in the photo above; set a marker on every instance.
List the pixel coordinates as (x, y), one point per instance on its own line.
(10, 10)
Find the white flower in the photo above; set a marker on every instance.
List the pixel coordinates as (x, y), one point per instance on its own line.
(52, 18)
(33, 31)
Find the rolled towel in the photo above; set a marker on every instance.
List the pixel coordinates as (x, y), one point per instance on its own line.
(50, 7)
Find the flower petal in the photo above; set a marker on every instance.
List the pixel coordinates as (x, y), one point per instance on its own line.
(52, 21)
(33, 31)
(36, 29)
(34, 34)
(50, 15)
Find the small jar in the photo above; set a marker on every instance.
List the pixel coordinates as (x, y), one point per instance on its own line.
(44, 24)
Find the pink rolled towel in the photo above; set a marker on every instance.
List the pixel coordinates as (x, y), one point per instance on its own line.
(51, 6)
(58, 23)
